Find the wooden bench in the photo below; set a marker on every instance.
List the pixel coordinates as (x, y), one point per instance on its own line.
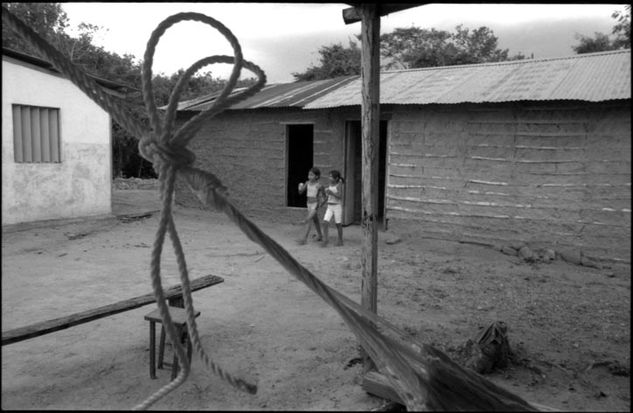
(173, 295)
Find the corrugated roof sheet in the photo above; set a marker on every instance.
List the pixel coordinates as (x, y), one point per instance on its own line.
(296, 94)
(590, 77)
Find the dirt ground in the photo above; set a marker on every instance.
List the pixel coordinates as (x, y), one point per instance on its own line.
(568, 325)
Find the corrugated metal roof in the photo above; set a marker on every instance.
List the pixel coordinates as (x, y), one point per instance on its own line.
(590, 77)
(296, 94)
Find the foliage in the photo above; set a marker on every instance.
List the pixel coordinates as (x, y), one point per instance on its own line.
(622, 29)
(602, 42)
(51, 22)
(336, 60)
(413, 47)
(47, 19)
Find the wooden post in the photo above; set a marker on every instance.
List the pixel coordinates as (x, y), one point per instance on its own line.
(370, 120)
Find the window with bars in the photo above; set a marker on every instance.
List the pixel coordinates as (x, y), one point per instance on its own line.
(36, 134)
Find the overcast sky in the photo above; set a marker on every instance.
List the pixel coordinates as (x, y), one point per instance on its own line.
(283, 38)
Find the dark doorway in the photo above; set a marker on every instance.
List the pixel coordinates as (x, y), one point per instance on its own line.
(300, 139)
(353, 170)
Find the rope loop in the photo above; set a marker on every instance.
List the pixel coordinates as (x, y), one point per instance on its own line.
(178, 156)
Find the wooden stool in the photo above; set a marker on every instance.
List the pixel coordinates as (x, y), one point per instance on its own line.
(179, 318)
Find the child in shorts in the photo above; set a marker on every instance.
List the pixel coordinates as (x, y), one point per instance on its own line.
(334, 210)
(316, 198)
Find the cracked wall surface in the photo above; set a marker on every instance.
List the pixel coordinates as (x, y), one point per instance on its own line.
(77, 186)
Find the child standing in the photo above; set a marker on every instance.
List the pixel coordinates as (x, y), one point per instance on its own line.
(315, 197)
(334, 194)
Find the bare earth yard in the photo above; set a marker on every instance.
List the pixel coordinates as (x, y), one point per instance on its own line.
(569, 325)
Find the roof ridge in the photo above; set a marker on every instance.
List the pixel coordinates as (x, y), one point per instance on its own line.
(511, 62)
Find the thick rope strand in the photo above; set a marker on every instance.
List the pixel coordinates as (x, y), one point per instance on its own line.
(164, 133)
(166, 175)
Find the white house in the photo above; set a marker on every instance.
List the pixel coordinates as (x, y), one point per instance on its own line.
(56, 144)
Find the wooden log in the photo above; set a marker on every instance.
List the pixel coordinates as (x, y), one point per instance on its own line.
(61, 323)
(370, 115)
(378, 385)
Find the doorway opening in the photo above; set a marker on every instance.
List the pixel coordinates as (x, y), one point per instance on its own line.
(299, 147)
(353, 170)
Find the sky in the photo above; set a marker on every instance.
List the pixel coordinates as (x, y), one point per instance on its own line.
(283, 38)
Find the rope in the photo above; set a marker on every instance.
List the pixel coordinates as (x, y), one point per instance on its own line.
(168, 153)
(422, 376)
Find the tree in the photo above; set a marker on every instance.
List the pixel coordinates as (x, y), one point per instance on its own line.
(602, 42)
(622, 30)
(413, 47)
(336, 60)
(47, 19)
(599, 43)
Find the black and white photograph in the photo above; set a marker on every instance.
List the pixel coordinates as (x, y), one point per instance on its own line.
(387, 207)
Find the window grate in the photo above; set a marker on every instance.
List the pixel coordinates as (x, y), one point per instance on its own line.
(36, 134)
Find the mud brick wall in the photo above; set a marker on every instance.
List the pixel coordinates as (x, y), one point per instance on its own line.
(551, 175)
(247, 151)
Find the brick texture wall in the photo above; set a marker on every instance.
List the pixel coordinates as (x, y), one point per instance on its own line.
(554, 175)
(247, 151)
(550, 175)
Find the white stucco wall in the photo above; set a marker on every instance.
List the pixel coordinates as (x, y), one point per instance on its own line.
(78, 186)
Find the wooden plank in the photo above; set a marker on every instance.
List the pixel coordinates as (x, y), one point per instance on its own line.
(370, 123)
(18, 135)
(45, 143)
(27, 154)
(53, 127)
(352, 15)
(61, 323)
(36, 135)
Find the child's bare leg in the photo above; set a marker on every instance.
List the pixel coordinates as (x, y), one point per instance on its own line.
(317, 226)
(308, 224)
(308, 228)
(325, 233)
(339, 229)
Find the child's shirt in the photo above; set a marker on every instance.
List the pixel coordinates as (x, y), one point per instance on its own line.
(313, 191)
(331, 199)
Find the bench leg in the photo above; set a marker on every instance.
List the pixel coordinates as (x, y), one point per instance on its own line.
(175, 365)
(161, 347)
(152, 350)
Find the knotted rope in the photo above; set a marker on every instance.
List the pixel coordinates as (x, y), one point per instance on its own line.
(167, 151)
(423, 377)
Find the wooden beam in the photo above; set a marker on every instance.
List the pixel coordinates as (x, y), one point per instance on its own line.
(370, 122)
(352, 14)
(45, 327)
(378, 385)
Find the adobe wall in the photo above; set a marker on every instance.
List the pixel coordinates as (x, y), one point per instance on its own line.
(547, 175)
(247, 151)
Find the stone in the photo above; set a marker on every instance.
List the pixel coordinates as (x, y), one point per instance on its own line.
(549, 255)
(393, 240)
(509, 250)
(572, 257)
(526, 253)
(588, 262)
